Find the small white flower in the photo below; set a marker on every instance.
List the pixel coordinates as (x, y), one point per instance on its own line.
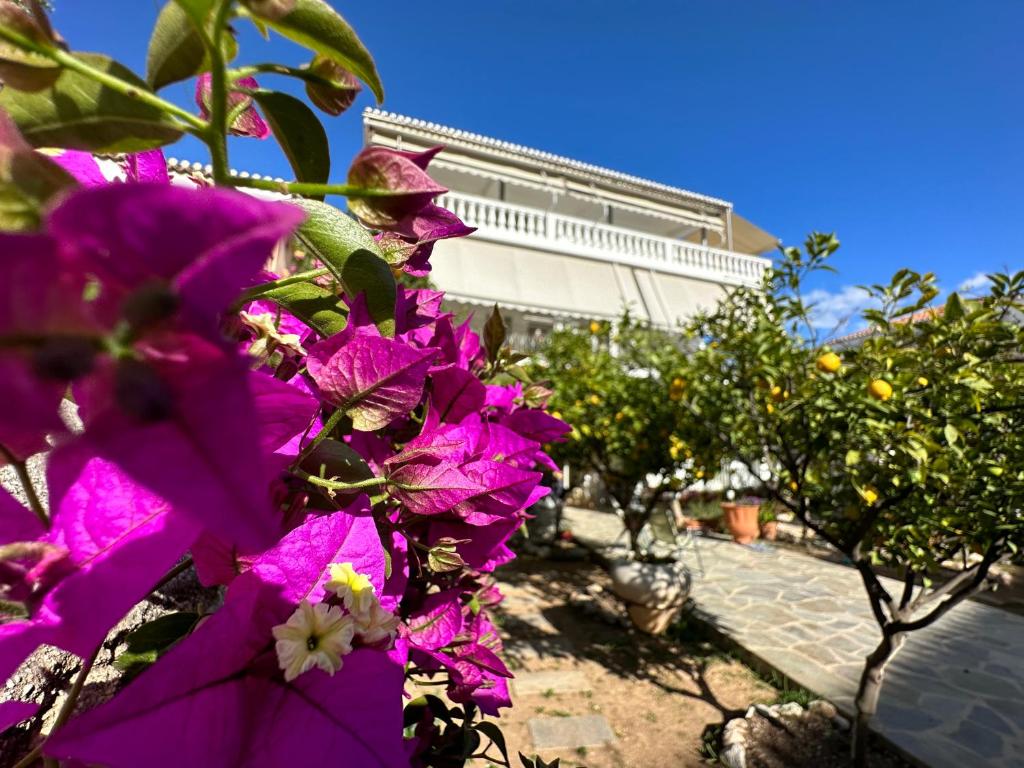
(314, 636)
(376, 625)
(354, 588)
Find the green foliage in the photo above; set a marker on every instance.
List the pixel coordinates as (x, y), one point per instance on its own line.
(176, 49)
(353, 257)
(931, 472)
(620, 385)
(317, 26)
(300, 134)
(318, 307)
(148, 642)
(78, 112)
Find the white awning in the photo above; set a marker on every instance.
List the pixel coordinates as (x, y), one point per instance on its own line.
(474, 271)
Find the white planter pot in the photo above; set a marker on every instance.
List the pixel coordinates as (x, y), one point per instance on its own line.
(654, 592)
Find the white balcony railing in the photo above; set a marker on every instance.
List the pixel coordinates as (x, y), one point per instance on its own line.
(518, 225)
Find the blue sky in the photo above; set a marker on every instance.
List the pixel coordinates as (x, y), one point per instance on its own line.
(895, 124)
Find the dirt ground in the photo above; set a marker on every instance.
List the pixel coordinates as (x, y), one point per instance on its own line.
(658, 694)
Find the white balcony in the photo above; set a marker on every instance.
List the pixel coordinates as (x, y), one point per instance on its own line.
(502, 222)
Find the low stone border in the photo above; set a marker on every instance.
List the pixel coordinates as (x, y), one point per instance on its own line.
(736, 732)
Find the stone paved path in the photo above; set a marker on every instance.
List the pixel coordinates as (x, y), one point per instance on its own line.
(953, 697)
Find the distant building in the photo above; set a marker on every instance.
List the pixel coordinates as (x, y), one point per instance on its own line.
(563, 241)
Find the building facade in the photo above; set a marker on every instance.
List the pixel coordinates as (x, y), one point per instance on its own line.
(560, 241)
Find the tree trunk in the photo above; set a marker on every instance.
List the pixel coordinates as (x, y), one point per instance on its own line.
(870, 688)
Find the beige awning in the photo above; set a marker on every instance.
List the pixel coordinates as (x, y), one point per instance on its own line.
(750, 238)
(475, 271)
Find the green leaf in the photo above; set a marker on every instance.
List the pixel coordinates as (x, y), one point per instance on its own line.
(494, 334)
(314, 305)
(951, 433)
(338, 460)
(176, 49)
(493, 732)
(349, 251)
(149, 641)
(79, 113)
(28, 180)
(954, 308)
(317, 26)
(300, 134)
(197, 10)
(26, 70)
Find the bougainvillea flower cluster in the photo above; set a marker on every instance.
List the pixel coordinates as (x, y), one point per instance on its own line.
(327, 450)
(204, 435)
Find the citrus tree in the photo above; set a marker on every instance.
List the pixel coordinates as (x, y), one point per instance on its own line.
(620, 384)
(903, 452)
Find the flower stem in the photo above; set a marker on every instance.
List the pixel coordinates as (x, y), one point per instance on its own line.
(193, 123)
(217, 131)
(307, 189)
(21, 470)
(69, 703)
(337, 485)
(280, 69)
(333, 420)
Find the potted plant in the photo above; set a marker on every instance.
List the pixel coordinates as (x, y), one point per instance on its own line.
(769, 521)
(741, 518)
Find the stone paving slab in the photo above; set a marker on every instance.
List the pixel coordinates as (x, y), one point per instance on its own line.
(556, 681)
(953, 697)
(570, 732)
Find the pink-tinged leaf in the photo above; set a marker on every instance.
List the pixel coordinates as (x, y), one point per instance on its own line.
(218, 697)
(208, 244)
(177, 464)
(14, 712)
(505, 490)
(537, 425)
(120, 537)
(147, 166)
(483, 547)
(81, 165)
(422, 159)
(416, 308)
(248, 123)
(217, 562)
(298, 565)
(431, 490)
(17, 522)
(41, 292)
(502, 444)
(437, 622)
(432, 223)
(28, 408)
(282, 410)
(400, 184)
(373, 379)
(455, 394)
(448, 444)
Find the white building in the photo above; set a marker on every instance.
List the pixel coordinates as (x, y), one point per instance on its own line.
(563, 241)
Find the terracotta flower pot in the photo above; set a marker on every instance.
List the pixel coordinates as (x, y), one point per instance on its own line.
(741, 520)
(770, 530)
